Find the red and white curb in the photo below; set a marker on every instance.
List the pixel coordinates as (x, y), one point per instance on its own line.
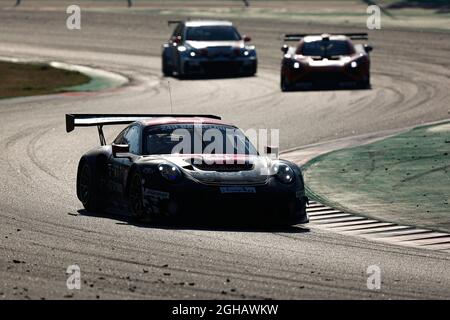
(327, 218)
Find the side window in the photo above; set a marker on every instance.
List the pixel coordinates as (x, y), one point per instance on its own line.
(178, 32)
(181, 32)
(120, 138)
(131, 138)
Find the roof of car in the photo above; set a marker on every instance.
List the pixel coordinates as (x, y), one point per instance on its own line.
(200, 23)
(183, 120)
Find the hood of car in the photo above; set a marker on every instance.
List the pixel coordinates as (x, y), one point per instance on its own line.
(223, 169)
(338, 61)
(213, 44)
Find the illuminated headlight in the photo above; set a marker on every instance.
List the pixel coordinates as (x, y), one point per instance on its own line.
(296, 65)
(169, 172)
(283, 172)
(181, 48)
(248, 51)
(354, 64)
(192, 54)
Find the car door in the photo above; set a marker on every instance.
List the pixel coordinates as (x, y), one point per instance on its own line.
(120, 167)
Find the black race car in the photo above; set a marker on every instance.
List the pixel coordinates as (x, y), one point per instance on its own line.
(208, 48)
(161, 167)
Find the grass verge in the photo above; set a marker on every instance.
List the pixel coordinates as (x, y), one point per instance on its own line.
(403, 179)
(20, 79)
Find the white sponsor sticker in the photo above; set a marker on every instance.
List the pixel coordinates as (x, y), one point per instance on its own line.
(156, 194)
(237, 190)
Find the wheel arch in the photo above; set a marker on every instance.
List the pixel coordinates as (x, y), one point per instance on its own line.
(134, 168)
(97, 159)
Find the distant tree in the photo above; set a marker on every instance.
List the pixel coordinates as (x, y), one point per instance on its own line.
(17, 3)
(246, 3)
(130, 3)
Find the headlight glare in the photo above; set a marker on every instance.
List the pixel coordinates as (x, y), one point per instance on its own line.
(283, 172)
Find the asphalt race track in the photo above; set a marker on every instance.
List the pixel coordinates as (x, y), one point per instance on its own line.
(43, 229)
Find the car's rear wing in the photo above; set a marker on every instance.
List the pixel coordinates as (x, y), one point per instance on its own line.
(170, 22)
(99, 120)
(299, 36)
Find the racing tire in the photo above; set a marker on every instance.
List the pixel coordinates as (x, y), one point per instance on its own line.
(181, 75)
(88, 189)
(284, 85)
(365, 84)
(252, 71)
(166, 68)
(135, 197)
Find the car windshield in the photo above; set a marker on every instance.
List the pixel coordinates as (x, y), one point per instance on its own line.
(212, 33)
(196, 139)
(325, 48)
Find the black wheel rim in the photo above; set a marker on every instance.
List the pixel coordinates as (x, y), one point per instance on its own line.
(85, 179)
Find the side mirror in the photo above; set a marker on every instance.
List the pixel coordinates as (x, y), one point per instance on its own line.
(285, 48)
(120, 150)
(176, 39)
(272, 151)
(368, 48)
(247, 39)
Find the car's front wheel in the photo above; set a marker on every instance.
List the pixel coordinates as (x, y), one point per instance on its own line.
(89, 189)
(252, 71)
(136, 202)
(166, 68)
(284, 84)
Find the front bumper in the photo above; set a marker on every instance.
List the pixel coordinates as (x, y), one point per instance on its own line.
(310, 76)
(261, 203)
(207, 66)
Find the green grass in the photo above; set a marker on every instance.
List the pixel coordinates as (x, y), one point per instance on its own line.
(405, 178)
(20, 79)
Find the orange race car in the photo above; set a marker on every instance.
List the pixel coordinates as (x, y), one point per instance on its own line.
(324, 60)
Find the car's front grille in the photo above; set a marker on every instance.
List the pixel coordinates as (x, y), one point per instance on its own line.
(224, 167)
(327, 77)
(214, 52)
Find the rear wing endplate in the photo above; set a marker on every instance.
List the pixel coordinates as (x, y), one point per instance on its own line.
(170, 22)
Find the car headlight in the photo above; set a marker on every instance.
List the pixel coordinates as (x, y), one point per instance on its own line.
(249, 51)
(169, 172)
(283, 172)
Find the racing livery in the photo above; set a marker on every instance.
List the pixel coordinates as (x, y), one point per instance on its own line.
(143, 173)
(324, 60)
(207, 48)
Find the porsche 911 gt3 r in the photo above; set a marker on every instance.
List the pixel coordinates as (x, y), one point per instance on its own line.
(325, 60)
(144, 173)
(207, 48)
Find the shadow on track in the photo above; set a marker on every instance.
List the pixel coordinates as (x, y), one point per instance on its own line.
(328, 88)
(212, 76)
(229, 226)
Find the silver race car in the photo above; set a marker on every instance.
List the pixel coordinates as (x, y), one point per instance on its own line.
(207, 48)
